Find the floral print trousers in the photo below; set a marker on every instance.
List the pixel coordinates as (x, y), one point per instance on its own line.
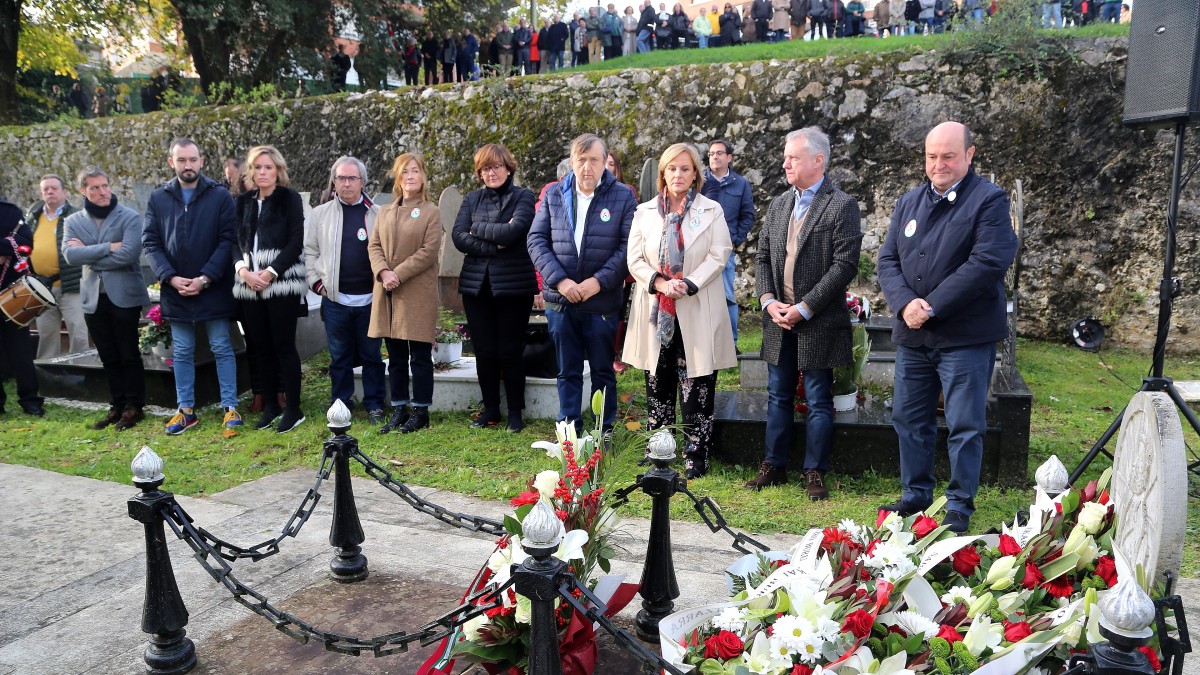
(696, 395)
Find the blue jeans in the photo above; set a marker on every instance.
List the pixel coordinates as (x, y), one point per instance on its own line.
(346, 331)
(702, 40)
(1111, 12)
(964, 375)
(977, 16)
(556, 60)
(1052, 15)
(781, 410)
(727, 276)
(578, 335)
(643, 41)
(183, 336)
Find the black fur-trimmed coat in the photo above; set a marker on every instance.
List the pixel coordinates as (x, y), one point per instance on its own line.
(280, 230)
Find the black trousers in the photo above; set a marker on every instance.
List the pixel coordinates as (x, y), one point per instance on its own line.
(447, 72)
(410, 73)
(115, 331)
(697, 398)
(497, 325)
(16, 352)
(271, 328)
(403, 354)
(431, 68)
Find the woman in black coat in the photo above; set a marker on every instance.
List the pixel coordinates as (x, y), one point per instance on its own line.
(731, 24)
(269, 282)
(680, 27)
(497, 281)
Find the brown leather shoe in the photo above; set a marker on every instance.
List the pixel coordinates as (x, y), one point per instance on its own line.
(130, 416)
(768, 475)
(814, 484)
(114, 414)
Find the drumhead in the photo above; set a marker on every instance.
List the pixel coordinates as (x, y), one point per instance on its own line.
(39, 289)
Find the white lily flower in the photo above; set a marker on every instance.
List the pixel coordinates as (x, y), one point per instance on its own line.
(608, 521)
(1011, 602)
(553, 450)
(502, 560)
(571, 547)
(545, 483)
(1082, 544)
(983, 634)
(863, 662)
(1000, 575)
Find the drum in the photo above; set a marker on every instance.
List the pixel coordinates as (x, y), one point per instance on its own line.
(23, 301)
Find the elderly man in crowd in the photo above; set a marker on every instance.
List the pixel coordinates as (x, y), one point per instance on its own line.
(106, 239)
(807, 254)
(942, 269)
(577, 243)
(45, 219)
(338, 269)
(733, 193)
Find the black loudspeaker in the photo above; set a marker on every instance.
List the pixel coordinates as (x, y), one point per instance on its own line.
(1162, 73)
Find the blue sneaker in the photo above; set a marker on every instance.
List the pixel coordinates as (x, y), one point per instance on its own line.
(181, 422)
(233, 422)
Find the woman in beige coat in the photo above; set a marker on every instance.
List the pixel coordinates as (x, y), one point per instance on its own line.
(404, 311)
(679, 330)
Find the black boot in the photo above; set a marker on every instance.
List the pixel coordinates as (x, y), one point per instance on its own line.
(399, 416)
(418, 420)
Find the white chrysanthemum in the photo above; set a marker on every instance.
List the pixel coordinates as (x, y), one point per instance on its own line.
(888, 554)
(810, 648)
(827, 629)
(895, 572)
(731, 619)
(958, 594)
(856, 531)
(791, 630)
(912, 623)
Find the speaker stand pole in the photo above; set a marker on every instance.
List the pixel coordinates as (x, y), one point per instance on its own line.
(1168, 288)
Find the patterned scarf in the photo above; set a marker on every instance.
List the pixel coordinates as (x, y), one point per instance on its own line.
(670, 264)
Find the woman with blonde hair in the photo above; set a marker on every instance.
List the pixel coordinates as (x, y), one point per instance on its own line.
(497, 281)
(269, 281)
(404, 312)
(679, 330)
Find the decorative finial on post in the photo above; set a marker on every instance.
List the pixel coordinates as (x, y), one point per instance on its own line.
(1127, 610)
(1052, 477)
(339, 417)
(147, 469)
(345, 532)
(659, 587)
(661, 447)
(542, 529)
(538, 579)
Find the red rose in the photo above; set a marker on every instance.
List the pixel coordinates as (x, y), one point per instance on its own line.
(1152, 657)
(1015, 631)
(1106, 569)
(723, 646)
(923, 525)
(1062, 587)
(801, 669)
(1033, 576)
(949, 634)
(965, 560)
(858, 623)
(1009, 546)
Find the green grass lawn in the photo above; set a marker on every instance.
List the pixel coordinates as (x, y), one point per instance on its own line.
(1076, 395)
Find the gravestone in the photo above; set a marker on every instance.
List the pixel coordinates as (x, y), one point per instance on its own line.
(1150, 485)
(450, 259)
(648, 185)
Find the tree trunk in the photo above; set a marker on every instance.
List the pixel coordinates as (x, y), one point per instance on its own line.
(207, 45)
(10, 31)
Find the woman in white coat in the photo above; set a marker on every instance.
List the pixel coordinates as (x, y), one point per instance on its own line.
(679, 330)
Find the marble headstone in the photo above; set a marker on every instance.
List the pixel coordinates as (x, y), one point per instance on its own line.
(450, 260)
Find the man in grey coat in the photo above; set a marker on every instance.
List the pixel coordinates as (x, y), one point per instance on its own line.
(808, 249)
(106, 239)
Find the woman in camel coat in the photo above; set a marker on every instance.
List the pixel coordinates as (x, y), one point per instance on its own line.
(404, 311)
(679, 330)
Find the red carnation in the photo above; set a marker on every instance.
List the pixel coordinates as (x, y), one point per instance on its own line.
(1015, 631)
(858, 623)
(1062, 587)
(525, 498)
(1033, 576)
(1009, 546)
(923, 525)
(724, 646)
(949, 634)
(801, 669)
(834, 536)
(1106, 569)
(965, 560)
(1153, 658)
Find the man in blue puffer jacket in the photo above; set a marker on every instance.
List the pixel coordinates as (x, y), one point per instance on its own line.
(577, 242)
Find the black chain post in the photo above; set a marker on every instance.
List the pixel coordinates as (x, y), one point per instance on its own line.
(659, 586)
(538, 579)
(163, 613)
(346, 533)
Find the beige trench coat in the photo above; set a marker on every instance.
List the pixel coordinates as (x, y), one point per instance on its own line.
(406, 240)
(781, 19)
(704, 317)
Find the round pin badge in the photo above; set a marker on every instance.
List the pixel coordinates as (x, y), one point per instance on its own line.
(416, 213)
(911, 228)
(605, 215)
(362, 234)
(951, 195)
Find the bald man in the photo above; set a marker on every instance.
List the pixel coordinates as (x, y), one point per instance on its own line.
(942, 272)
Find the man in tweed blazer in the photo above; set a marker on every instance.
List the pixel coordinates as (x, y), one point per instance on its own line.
(808, 249)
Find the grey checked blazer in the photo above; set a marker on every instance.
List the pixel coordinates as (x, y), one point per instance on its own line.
(826, 262)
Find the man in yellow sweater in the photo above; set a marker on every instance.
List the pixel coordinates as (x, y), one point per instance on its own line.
(45, 219)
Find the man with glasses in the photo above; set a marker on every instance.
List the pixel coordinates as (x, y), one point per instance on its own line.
(732, 191)
(339, 270)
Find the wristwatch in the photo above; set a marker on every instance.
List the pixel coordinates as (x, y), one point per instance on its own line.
(204, 280)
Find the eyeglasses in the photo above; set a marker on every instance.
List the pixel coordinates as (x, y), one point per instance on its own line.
(717, 153)
(493, 168)
(347, 179)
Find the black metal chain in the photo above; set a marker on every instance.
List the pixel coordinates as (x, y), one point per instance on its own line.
(291, 528)
(595, 609)
(464, 520)
(710, 513)
(381, 645)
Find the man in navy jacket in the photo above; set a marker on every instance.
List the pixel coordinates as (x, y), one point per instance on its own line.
(732, 191)
(577, 242)
(942, 272)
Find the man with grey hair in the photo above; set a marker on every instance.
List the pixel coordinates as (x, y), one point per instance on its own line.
(106, 240)
(45, 219)
(577, 242)
(339, 270)
(808, 249)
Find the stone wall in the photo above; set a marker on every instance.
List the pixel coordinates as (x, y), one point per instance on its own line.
(1094, 191)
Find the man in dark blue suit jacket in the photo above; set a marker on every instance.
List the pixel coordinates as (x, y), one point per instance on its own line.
(577, 242)
(942, 271)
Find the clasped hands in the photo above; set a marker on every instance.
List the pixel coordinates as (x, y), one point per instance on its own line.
(672, 288)
(389, 280)
(578, 292)
(187, 287)
(784, 315)
(916, 313)
(257, 281)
